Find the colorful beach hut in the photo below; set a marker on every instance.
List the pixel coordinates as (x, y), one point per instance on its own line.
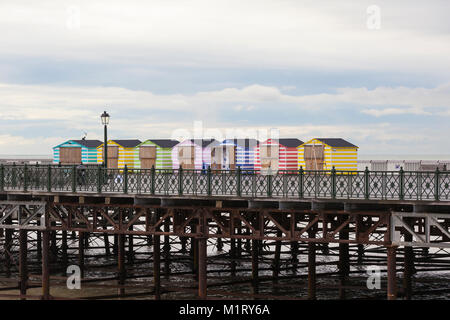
(324, 153)
(233, 153)
(76, 152)
(154, 152)
(120, 153)
(281, 154)
(193, 153)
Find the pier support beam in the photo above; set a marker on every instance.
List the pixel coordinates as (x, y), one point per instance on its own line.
(391, 273)
(202, 247)
(233, 256)
(255, 269)
(157, 267)
(311, 266)
(121, 261)
(23, 263)
(45, 265)
(64, 247)
(166, 249)
(408, 267)
(81, 244)
(344, 259)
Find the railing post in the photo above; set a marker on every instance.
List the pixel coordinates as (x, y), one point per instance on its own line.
(437, 184)
(238, 181)
(74, 178)
(99, 179)
(269, 182)
(333, 182)
(180, 180)
(2, 177)
(25, 177)
(401, 194)
(366, 183)
(153, 175)
(14, 176)
(49, 178)
(300, 182)
(208, 172)
(125, 179)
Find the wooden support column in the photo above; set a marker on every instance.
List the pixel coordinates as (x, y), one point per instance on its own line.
(360, 253)
(23, 263)
(391, 273)
(45, 265)
(233, 256)
(202, 247)
(344, 259)
(166, 248)
(121, 262)
(7, 247)
(130, 253)
(64, 247)
(276, 259)
(157, 266)
(408, 267)
(294, 254)
(255, 269)
(311, 265)
(81, 244)
(202, 256)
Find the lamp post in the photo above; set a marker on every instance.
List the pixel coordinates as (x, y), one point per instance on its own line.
(105, 121)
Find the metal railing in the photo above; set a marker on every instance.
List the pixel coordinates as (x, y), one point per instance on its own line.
(332, 184)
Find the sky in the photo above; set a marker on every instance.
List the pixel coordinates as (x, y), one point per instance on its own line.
(376, 73)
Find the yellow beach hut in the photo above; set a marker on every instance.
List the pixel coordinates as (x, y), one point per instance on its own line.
(324, 153)
(120, 153)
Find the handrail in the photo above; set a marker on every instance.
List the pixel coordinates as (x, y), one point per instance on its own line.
(292, 184)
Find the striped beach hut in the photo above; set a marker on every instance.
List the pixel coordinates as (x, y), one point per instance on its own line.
(324, 153)
(233, 153)
(281, 154)
(154, 152)
(76, 152)
(193, 153)
(120, 153)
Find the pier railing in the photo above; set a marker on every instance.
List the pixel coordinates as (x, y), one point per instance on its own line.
(331, 184)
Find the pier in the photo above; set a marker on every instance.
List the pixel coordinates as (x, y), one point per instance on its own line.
(51, 216)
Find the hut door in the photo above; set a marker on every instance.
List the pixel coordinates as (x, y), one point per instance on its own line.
(113, 157)
(229, 158)
(186, 157)
(314, 157)
(269, 157)
(147, 155)
(216, 158)
(70, 155)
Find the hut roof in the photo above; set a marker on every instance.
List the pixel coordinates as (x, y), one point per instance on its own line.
(165, 143)
(204, 142)
(128, 143)
(290, 142)
(337, 142)
(244, 143)
(88, 143)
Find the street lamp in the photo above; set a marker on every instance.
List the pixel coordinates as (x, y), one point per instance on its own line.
(105, 121)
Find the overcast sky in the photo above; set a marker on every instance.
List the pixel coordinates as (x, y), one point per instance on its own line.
(309, 68)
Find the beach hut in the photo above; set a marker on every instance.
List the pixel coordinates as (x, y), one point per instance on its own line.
(120, 153)
(324, 153)
(154, 152)
(233, 153)
(278, 154)
(193, 153)
(76, 152)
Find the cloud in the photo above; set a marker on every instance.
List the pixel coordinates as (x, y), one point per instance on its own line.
(65, 112)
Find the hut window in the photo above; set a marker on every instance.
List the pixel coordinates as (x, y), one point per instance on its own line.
(113, 157)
